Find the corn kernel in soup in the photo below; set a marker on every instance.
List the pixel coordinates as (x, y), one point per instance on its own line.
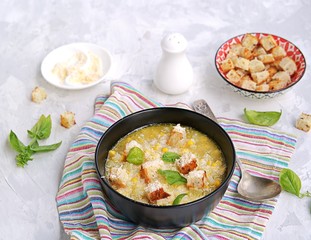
(162, 164)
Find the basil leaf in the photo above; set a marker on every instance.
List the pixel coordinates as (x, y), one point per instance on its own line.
(170, 157)
(172, 177)
(135, 156)
(23, 158)
(42, 129)
(15, 143)
(262, 118)
(179, 198)
(290, 182)
(45, 148)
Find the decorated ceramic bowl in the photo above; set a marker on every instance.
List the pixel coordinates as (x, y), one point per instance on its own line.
(291, 51)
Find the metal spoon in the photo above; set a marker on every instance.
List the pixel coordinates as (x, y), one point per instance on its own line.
(250, 187)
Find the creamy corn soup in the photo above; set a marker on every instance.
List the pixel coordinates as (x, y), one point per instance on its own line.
(165, 164)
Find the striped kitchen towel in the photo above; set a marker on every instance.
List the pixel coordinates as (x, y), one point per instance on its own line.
(85, 214)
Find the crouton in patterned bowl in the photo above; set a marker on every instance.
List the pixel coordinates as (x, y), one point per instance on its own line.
(260, 65)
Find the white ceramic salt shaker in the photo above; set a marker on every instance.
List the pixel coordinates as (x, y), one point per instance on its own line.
(174, 74)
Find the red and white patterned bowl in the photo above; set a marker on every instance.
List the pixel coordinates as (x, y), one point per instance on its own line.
(291, 50)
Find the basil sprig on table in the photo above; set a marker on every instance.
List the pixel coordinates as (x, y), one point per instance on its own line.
(41, 130)
(170, 157)
(172, 177)
(290, 182)
(262, 118)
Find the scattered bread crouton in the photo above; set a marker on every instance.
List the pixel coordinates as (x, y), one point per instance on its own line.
(155, 191)
(246, 53)
(259, 51)
(196, 179)
(268, 42)
(67, 119)
(304, 122)
(236, 48)
(263, 87)
(186, 163)
(118, 177)
(38, 94)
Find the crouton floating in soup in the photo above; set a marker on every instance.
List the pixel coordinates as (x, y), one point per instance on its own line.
(165, 164)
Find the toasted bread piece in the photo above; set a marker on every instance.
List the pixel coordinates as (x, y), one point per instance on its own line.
(148, 170)
(266, 58)
(67, 119)
(283, 76)
(232, 56)
(177, 134)
(256, 66)
(288, 65)
(246, 77)
(226, 65)
(278, 52)
(277, 84)
(249, 84)
(233, 76)
(242, 63)
(304, 122)
(186, 163)
(259, 50)
(249, 41)
(260, 77)
(268, 42)
(235, 48)
(155, 191)
(263, 87)
(246, 53)
(38, 94)
(272, 70)
(241, 72)
(196, 179)
(118, 177)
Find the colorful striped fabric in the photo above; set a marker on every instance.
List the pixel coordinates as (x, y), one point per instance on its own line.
(85, 214)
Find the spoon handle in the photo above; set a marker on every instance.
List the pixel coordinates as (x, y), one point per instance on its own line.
(203, 108)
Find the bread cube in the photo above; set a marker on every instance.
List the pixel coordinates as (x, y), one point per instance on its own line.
(272, 70)
(268, 42)
(249, 85)
(246, 77)
(283, 76)
(155, 191)
(235, 48)
(263, 87)
(304, 122)
(177, 134)
(246, 53)
(277, 84)
(266, 58)
(196, 179)
(186, 163)
(288, 65)
(242, 63)
(259, 51)
(260, 77)
(249, 41)
(118, 177)
(256, 66)
(148, 170)
(278, 52)
(67, 119)
(38, 94)
(226, 65)
(233, 76)
(232, 56)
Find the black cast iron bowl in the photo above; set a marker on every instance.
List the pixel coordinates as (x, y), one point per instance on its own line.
(164, 216)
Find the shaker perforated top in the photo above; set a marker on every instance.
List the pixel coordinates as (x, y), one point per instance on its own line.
(174, 43)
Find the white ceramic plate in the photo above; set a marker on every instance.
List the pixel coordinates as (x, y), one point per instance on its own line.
(62, 53)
